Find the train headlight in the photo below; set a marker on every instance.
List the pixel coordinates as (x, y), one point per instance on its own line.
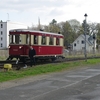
(8, 46)
(20, 47)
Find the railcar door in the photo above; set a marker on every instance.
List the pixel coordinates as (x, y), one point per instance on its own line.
(26, 43)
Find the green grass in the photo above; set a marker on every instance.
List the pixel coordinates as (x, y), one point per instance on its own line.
(3, 58)
(42, 69)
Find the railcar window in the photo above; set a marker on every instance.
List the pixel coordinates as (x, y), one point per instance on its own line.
(51, 41)
(11, 39)
(43, 40)
(1, 44)
(61, 41)
(17, 39)
(22, 39)
(27, 39)
(35, 39)
(57, 41)
(14, 39)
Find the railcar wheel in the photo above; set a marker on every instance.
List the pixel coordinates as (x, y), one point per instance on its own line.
(53, 59)
(9, 58)
(22, 59)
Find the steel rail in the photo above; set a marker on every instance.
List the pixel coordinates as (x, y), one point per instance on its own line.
(45, 62)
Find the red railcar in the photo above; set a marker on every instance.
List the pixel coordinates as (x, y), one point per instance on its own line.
(46, 44)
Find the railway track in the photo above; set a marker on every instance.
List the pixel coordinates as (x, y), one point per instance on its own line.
(43, 62)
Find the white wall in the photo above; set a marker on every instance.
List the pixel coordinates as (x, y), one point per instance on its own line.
(78, 43)
(3, 35)
(79, 46)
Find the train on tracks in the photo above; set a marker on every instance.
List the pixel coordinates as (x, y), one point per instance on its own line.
(47, 45)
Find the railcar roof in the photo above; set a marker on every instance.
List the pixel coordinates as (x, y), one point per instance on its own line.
(28, 30)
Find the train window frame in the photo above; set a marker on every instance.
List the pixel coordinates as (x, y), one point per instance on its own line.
(22, 39)
(14, 39)
(57, 41)
(11, 39)
(61, 41)
(17, 39)
(27, 39)
(51, 40)
(35, 39)
(43, 40)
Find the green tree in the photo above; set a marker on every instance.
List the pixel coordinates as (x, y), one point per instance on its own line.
(53, 26)
(76, 28)
(53, 22)
(98, 33)
(66, 30)
(75, 25)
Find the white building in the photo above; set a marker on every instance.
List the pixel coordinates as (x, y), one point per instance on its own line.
(79, 43)
(4, 32)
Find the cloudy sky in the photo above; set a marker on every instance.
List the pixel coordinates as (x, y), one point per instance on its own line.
(28, 11)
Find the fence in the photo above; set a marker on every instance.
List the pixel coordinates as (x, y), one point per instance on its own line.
(4, 53)
(81, 53)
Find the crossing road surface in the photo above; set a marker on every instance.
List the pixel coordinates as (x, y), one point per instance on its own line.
(77, 84)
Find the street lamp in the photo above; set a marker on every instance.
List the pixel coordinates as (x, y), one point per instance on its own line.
(85, 31)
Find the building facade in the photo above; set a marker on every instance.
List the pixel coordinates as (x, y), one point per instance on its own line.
(79, 43)
(4, 32)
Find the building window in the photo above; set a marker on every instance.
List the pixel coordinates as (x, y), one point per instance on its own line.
(1, 25)
(82, 41)
(1, 32)
(1, 44)
(74, 44)
(1, 38)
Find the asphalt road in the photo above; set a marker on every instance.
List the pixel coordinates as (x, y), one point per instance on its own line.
(78, 84)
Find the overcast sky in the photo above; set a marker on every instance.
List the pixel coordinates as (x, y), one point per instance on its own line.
(28, 11)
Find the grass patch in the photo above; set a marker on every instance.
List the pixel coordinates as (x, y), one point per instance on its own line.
(42, 69)
(2, 58)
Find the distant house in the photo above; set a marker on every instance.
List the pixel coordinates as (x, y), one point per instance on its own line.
(79, 43)
(4, 32)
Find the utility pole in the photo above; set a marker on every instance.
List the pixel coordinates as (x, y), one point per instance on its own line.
(39, 26)
(94, 43)
(8, 16)
(85, 31)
